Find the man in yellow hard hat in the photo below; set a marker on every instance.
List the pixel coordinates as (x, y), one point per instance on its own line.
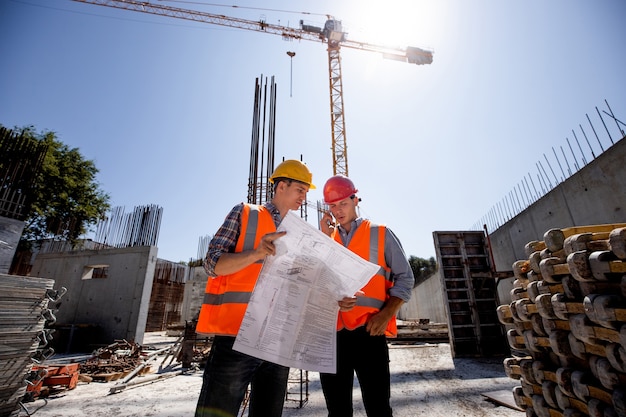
(233, 263)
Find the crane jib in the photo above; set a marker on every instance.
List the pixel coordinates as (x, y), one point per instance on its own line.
(331, 34)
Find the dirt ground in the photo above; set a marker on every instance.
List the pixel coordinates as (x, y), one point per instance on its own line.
(426, 381)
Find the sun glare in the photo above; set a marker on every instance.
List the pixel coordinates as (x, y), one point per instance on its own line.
(395, 23)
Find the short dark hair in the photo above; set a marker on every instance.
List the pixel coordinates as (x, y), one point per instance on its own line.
(277, 180)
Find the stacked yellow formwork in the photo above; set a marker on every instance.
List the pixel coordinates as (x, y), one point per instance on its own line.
(567, 323)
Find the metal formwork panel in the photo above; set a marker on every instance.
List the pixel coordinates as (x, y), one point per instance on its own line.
(470, 297)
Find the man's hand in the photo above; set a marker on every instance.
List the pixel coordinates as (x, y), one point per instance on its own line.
(377, 324)
(348, 303)
(327, 223)
(229, 263)
(266, 245)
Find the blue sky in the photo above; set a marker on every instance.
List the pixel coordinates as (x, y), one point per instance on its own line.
(164, 106)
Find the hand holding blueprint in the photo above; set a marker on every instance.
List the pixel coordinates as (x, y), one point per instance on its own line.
(292, 314)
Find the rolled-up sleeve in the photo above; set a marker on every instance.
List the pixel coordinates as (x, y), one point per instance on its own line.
(224, 240)
(401, 272)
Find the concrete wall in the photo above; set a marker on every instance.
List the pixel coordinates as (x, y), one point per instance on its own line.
(426, 302)
(503, 289)
(10, 233)
(194, 293)
(594, 195)
(118, 304)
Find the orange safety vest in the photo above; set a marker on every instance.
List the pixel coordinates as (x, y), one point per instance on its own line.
(368, 242)
(226, 296)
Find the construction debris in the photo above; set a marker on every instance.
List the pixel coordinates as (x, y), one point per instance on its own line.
(121, 360)
(114, 361)
(44, 380)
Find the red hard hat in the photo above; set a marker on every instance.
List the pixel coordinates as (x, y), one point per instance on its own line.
(337, 188)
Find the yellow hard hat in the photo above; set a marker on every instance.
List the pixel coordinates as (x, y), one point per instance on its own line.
(294, 170)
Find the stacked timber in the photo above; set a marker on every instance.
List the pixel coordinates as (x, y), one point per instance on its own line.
(567, 323)
(420, 331)
(24, 313)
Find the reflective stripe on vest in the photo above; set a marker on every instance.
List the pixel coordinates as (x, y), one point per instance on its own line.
(226, 297)
(250, 231)
(229, 297)
(368, 242)
(249, 240)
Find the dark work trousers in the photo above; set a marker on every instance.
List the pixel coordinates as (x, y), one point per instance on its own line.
(226, 377)
(368, 356)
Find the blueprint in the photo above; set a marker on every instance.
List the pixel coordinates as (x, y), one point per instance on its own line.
(292, 315)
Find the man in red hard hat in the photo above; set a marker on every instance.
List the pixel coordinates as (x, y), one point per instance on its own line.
(233, 263)
(364, 322)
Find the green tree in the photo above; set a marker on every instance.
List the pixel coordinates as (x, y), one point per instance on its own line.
(67, 198)
(422, 268)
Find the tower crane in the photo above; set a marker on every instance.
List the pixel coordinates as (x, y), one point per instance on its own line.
(331, 34)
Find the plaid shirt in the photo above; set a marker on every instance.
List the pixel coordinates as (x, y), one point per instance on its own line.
(225, 240)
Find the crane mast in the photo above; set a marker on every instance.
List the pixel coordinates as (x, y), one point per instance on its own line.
(331, 34)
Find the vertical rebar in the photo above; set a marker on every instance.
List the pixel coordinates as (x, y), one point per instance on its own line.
(269, 192)
(573, 154)
(264, 129)
(559, 162)
(541, 183)
(587, 140)
(594, 132)
(263, 141)
(556, 181)
(533, 184)
(604, 124)
(526, 202)
(517, 207)
(494, 218)
(254, 145)
(500, 216)
(615, 118)
(528, 191)
(580, 148)
(569, 170)
(512, 207)
(508, 207)
(546, 174)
